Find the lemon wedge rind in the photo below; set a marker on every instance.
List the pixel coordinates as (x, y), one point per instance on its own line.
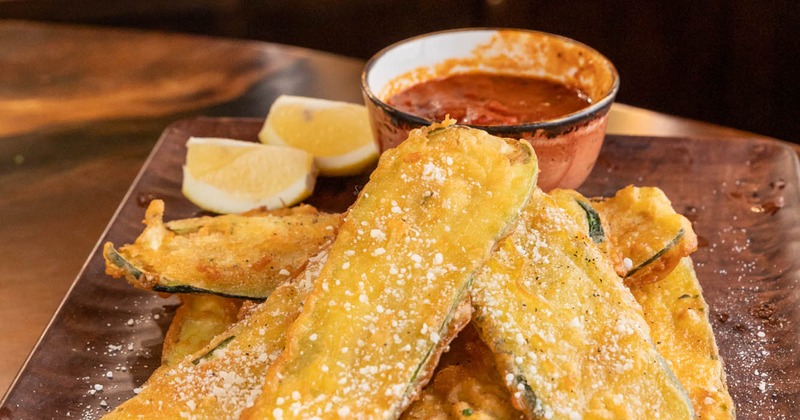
(338, 134)
(351, 163)
(217, 200)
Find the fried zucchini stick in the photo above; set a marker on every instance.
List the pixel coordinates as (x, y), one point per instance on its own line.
(394, 290)
(568, 335)
(670, 294)
(227, 375)
(678, 317)
(240, 256)
(199, 319)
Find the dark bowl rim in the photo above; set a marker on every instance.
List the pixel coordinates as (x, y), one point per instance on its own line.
(583, 114)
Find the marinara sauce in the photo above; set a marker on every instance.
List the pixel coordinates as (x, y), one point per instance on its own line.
(490, 99)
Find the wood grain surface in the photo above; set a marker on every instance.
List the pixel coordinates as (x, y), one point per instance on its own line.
(82, 107)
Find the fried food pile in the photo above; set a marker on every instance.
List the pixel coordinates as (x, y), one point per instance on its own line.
(453, 287)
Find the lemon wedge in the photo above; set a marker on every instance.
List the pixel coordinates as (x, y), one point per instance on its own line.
(338, 134)
(233, 176)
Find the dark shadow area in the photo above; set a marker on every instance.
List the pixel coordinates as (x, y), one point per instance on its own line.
(733, 63)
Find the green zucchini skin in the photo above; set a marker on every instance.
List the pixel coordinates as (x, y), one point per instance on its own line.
(184, 229)
(596, 231)
(185, 288)
(580, 209)
(222, 344)
(150, 281)
(667, 248)
(117, 260)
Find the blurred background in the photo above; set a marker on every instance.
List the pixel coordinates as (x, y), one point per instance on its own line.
(734, 63)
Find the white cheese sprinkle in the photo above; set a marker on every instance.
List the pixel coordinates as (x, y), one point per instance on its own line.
(575, 322)
(377, 234)
(627, 263)
(431, 172)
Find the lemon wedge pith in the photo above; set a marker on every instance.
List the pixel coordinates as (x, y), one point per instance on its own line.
(233, 176)
(338, 134)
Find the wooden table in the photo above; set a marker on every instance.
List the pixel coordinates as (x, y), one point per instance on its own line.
(80, 109)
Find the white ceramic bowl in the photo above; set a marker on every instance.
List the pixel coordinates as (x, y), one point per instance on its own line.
(567, 146)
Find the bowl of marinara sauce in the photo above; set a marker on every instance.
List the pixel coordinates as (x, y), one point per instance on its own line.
(549, 90)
